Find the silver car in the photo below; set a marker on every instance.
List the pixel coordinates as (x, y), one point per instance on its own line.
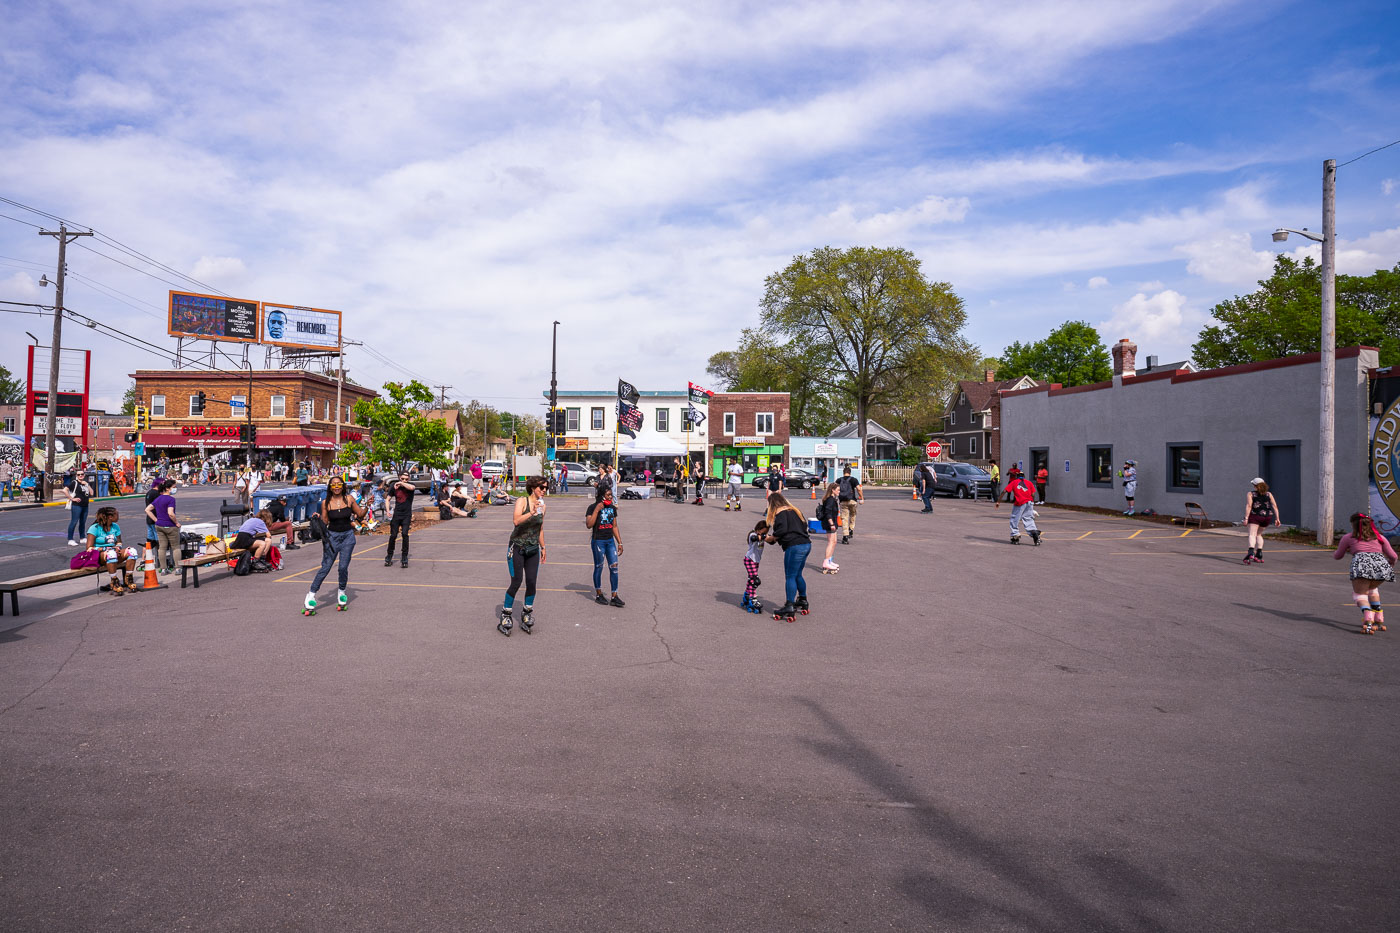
(579, 474)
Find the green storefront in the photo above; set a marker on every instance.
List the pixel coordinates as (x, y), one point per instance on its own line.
(753, 456)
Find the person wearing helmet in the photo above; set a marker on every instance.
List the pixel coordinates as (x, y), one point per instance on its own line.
(1129, 474)
(1022, 493)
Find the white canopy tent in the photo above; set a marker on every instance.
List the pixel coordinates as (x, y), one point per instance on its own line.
(651, 444)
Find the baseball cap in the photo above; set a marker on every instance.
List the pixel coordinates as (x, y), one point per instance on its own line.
(1256, 481)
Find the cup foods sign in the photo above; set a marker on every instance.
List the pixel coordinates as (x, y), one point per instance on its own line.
(291, 326)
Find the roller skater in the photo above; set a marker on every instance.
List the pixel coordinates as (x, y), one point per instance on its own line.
(828, 513)
(1261, 511)
(699, 485)
(339, 511)
(1372, 563)
(602, 520)
(735, 474)
(752, 557)
(1022, 494)
(525, 551)
(788, 528)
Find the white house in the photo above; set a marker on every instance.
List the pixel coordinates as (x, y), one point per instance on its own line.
(591, 421)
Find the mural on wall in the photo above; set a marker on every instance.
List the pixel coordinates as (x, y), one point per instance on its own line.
(1384, 486)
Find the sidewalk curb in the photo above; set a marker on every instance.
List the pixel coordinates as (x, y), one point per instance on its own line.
(49, 505)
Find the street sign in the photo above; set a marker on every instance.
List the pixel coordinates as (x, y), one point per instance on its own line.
(139, 449)
(933, 449)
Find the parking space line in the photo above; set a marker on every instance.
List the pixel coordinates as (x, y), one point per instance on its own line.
(1272, 573)
(1083, 536)
(368, 584)
(1135, 534)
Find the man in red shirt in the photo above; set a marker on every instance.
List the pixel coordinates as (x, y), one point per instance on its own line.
(1022, 495)
(1042, 476)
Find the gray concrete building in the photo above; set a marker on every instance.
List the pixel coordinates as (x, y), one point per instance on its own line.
(1196, 436)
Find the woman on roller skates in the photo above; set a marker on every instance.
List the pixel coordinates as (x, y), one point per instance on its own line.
(1372, 563)
(340, 512)
(788, 529)
(524, 553)
(1260, 512)
(607, 544)
(752, 557)
(827, 511)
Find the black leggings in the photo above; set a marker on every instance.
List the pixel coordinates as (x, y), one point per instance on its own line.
(522, 570)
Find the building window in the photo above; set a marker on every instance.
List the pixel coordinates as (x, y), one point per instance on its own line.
(236, 409)
(9, 425)
(157, 406)
(597, 419)
(972, 445)
(663, 420)
(574, 419)
(763, 423)
(279, 406)
(952, 419)
(1100, 460)
(952, 446)
(729, 423)
(328, 411)
(1184, 467)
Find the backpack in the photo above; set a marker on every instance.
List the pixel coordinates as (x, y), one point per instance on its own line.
(315, 528)
(444, 513)
(244, 566)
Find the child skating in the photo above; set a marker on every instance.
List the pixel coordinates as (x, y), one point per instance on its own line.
(1260, 512)
(1022, 493)
(827, 512)
(752, 557)
(1372, 563)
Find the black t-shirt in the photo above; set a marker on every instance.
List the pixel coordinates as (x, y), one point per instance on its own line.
(151, 495)
(82, 495)
(606, 524)
(278, 510)
(848, 486)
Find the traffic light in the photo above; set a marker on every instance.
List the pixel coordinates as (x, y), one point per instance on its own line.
(130, 437)
(198, 404)
(558, 421)
(247, 434)
(141, 420)
(253, 434)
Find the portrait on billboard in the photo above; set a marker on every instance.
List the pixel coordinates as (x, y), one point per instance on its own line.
(213, 317)
(292, 326)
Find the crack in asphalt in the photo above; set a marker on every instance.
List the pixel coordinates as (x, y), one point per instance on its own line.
(82, 636)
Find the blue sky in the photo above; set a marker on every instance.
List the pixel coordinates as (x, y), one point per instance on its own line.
(454, 180)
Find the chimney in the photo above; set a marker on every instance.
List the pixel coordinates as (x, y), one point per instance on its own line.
(990, 375)
(1124, 359)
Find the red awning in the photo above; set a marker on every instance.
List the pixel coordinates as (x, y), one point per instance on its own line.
(266, 440)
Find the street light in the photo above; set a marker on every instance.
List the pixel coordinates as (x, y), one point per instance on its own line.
(1327, 422)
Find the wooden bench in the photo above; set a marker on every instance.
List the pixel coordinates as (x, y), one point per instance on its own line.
(191, 565)
(41, 579)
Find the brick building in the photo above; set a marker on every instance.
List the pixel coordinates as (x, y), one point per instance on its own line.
(753, 427)
(293, 411)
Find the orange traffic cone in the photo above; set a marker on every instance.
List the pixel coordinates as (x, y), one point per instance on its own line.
(914, 494)
(152, 582)
(814, 492)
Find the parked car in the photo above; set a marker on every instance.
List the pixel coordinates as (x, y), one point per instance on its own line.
(797, 478)
(490, 468)
(421, 479)
(579, 474)
(961, 479)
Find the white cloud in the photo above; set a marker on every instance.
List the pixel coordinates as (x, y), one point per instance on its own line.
(104, 93)
(220, 270)
(1388, 187)
(1227, 257)
(21, 286)
(1098, 281)
(1163, 323)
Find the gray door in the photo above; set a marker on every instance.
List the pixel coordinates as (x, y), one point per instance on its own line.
(1279, 466)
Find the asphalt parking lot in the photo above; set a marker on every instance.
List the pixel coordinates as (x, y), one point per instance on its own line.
(1122, 729)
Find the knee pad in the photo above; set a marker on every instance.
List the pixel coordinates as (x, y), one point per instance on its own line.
(1375, 607)
(755, 581)
(1363, 602)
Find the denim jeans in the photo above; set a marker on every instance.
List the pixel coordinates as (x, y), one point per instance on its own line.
(335, 544)
(794, 558)
(927, 496)
(604, 551)
(1021, 513)
(77, 522)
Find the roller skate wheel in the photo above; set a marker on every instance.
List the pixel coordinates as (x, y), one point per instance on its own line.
(308, 612)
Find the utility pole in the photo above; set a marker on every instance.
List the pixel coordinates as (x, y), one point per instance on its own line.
(1327, 423)
(340, 345)
(442, 396)
(51, 429)
(553, 387)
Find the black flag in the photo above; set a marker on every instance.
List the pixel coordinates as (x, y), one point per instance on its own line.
(627, 391)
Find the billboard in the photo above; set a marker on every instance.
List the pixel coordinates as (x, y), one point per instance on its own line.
(213, 317)
(293, 326)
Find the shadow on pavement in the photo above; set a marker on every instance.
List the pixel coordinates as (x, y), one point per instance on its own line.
(1305, 617)
(1060, 903)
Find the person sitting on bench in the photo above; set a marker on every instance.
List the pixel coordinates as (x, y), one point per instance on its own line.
(459, 503)
(105, 537)
(253, 535)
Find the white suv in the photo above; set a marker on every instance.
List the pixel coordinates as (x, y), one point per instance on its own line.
(490, 468)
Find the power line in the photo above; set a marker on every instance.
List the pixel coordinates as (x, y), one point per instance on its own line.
(130, 266)
(18, 221)
(1372, 152)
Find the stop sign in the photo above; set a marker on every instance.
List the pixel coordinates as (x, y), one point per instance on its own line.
(933, 449)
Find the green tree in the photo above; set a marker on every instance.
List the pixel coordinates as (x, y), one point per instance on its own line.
(762, 364)
(1072, 355)
(866, 322)
(1283, 316)
(11, 389)
(129, 400)
(396, 430)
